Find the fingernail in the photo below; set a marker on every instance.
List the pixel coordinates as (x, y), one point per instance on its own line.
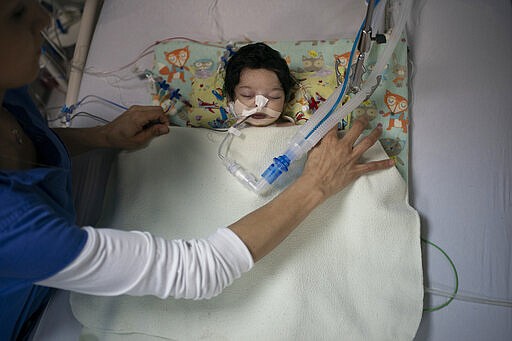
(379, 125)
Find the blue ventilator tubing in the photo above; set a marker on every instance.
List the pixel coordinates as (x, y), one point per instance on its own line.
(306, 138)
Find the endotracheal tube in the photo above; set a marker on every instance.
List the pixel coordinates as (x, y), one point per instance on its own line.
(330, 113)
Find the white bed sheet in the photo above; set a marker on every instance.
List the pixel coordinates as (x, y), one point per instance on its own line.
(460, 142)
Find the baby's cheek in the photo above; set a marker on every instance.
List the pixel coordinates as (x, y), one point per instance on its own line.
(277, 106)
(246, 101)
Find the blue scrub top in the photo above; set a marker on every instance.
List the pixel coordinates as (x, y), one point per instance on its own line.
(38, 234)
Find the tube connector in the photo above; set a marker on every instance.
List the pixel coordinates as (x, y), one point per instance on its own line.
(278, 167)
(299, 145)
(245, 177)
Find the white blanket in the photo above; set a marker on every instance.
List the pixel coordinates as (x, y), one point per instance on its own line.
(351, 271)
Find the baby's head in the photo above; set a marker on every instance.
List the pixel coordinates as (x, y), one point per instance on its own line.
(257, 69)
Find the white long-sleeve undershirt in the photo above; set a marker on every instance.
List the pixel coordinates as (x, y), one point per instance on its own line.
(115, 262)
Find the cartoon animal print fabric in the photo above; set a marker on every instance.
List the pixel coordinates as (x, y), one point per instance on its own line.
(397, 106)
(177, 59)
(393, 147)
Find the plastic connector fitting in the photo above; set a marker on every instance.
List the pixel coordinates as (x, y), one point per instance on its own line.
(279, 166)
(246, 178)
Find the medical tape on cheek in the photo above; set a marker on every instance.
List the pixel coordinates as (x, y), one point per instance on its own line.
(270, 112)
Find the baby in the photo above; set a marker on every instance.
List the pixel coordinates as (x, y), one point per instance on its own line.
(257, 85)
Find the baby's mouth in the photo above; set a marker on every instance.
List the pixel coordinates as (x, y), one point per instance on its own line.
(259, 116)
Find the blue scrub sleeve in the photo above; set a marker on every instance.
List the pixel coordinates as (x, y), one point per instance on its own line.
(36, 242)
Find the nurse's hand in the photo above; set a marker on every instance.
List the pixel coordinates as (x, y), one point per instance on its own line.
(133, 129)
(136, 127)
(334, 162)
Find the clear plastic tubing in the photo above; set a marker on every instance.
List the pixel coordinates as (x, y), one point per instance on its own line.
(328, 114)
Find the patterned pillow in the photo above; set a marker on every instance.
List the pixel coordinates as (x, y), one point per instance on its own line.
(188, 81)
(196, 71)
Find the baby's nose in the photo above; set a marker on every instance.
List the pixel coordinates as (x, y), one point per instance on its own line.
(260, 101)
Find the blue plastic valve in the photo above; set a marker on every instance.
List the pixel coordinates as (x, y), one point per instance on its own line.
(279, 166)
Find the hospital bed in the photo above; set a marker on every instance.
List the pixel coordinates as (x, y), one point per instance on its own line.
(460, 142)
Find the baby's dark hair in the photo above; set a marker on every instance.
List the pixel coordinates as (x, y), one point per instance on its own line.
(257, 56)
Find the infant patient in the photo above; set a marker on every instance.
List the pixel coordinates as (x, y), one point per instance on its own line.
(258, 84)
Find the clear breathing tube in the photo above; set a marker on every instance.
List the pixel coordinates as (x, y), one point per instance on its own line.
(328, 115)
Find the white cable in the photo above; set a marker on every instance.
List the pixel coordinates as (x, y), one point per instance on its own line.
(469, 298)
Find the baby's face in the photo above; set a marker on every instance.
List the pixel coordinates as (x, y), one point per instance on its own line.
(260, 82)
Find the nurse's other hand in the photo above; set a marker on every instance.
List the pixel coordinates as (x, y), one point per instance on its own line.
(136, 127)
(334, 162)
